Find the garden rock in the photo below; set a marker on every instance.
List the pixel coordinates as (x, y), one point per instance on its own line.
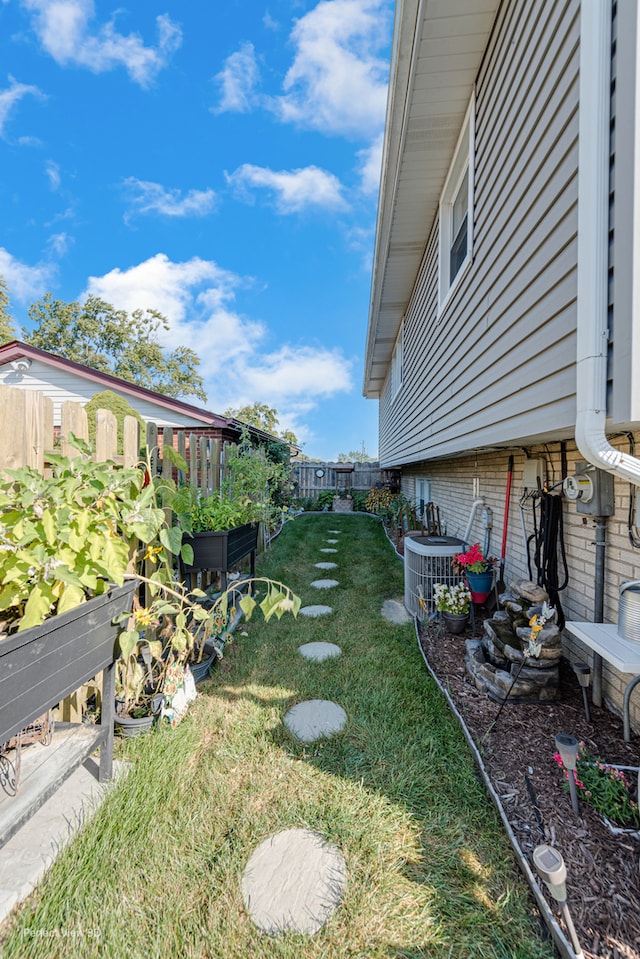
(395, 612)
(293, 882)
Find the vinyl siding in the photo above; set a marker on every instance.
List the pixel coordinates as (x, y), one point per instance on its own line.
(498, 365)
(61, 387)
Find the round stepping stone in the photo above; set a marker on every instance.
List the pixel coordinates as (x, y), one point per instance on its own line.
(332, 541)
(315, 719)
(318, 652)
(325, 583)
(326, 565)
(328, 549)
(334, 531)
(314, 611)
(395, 612)
(293, 882)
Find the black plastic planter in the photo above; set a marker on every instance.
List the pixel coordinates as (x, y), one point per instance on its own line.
(40, 666)
(223, 549)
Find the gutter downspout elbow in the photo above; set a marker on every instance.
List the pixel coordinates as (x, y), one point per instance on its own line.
(593, 245)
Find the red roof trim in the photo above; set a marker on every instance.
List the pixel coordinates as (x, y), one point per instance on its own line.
(15, 349)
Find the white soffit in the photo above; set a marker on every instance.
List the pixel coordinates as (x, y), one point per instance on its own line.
(438, 47)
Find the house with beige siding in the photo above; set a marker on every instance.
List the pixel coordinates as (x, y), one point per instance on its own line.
(504, 324)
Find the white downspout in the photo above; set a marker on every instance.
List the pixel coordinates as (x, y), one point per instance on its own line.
(593, 244)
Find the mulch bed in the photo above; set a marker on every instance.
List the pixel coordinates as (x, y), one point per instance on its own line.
(603, 876)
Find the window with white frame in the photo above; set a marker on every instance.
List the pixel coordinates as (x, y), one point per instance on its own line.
(396, 363)
(456, 212)
(423, 496)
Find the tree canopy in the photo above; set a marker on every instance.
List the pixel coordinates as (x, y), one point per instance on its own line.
(7, 329)
(356, 456)
(98, 335)
(263, 417)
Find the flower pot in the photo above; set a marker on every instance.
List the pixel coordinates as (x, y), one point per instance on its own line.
(455, 623)
(40, 666)
(479, 585)
(222, 549)
(201, 670)
(129, 726)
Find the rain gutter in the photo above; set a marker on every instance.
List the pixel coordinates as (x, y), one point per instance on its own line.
(593, 245)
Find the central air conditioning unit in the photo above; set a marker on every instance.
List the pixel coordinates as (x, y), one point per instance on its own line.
(427, 560)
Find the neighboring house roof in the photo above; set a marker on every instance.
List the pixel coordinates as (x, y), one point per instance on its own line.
(438, 49)
(64, 379)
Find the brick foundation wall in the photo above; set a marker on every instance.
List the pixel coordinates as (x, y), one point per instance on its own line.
(453, 485)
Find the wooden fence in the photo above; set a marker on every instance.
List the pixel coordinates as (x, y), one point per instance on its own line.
(309, 482)
(29, 436)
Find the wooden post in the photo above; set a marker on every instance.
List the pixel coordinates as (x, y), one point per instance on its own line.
(131, 441)
(12, 417)
(106, 436)
(193, 461)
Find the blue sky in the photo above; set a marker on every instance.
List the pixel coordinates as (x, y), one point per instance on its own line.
(218, 161)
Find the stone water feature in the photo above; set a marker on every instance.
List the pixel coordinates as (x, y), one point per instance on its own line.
(493, 661)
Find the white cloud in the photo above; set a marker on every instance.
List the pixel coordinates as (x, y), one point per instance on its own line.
(237, 81)
(370, 164)
(150, 197)
(64, 30)
(10, 97)
(25, 283)
(337, 83)
(53, 174)
(59, 243)
(294, 190)
(197, 297)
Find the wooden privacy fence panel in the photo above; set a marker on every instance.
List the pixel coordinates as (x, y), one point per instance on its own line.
(363, 477)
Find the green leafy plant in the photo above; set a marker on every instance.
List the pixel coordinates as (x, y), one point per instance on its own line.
(603, 787)
(71, 535)
(325, 498)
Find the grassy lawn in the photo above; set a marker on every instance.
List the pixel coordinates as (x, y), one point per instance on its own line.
(430, 873)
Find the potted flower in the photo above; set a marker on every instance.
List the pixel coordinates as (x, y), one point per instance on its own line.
(478, 571)
(453, 601)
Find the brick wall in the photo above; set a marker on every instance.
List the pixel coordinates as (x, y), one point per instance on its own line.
(453, 484)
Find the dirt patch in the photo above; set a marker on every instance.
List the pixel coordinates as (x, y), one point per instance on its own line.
(603, 881)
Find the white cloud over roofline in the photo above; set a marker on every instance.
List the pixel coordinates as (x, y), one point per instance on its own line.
(337, 84)
(293, 190)
(197, 297)
(25, 283)
(63, 28)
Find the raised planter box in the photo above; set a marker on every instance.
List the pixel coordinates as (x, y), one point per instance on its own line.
(223, 549)
(40, 666)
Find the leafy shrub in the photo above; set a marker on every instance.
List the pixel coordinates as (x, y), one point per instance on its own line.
(359, 499)
(603, 787)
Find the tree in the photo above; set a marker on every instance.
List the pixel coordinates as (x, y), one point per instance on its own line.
(7, 329)
(98, 335)
(262, 417)
(356, 456)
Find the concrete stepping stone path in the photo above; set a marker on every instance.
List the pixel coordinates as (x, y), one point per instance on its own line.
(326, 565)
(325, 583)
(395, 612)
(314, 611)
(293, 882)
(318, 652)
(336, 531)
(315, 719)
(328, 549)
(333, 541)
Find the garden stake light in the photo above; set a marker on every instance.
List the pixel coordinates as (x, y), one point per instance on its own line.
(551, 868)
(583, 672)
(567, 746)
